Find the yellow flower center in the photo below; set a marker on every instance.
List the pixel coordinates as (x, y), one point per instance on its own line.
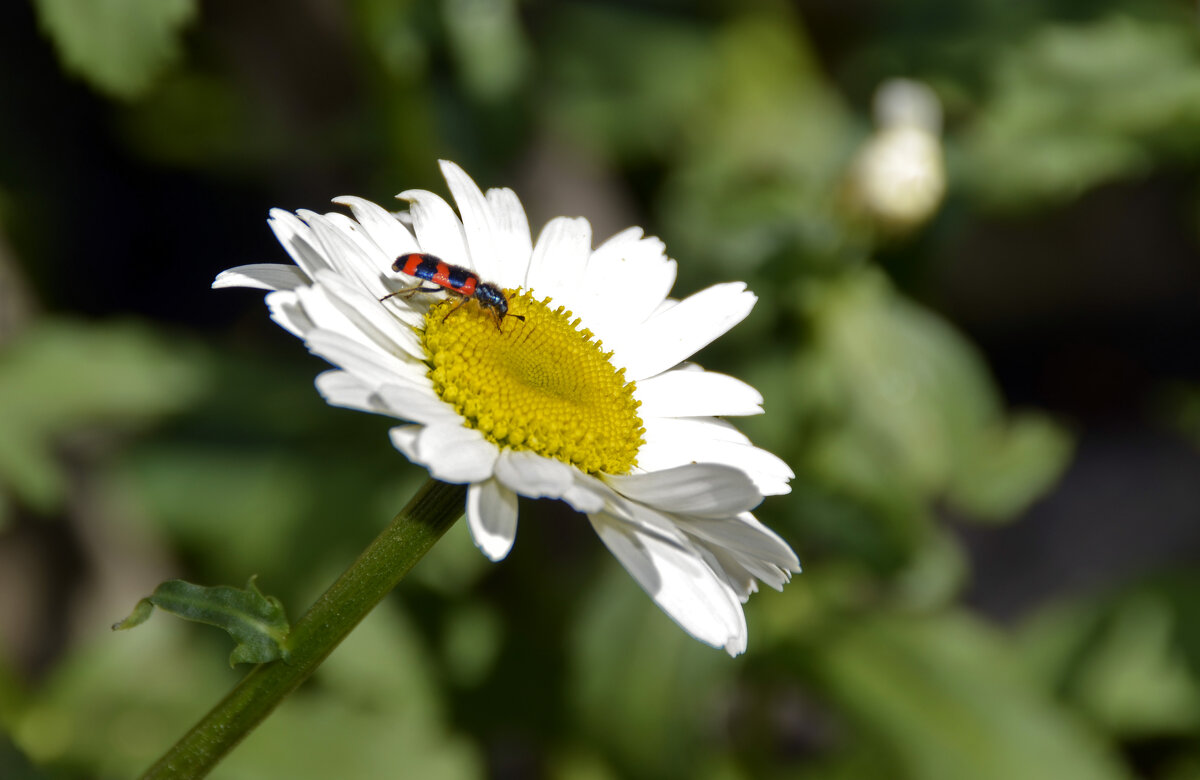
(542, 385)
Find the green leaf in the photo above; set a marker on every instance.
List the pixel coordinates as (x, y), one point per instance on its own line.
(378, 704)
(948, 698)
(119, 46)
(62, 378)
(767, 139)
(640, 687)
(140, 614)
(633, 104)
(1063, 120)
(1010, 466)
(256, 622)
(486, 39)
(1124, 658)
(915, 410)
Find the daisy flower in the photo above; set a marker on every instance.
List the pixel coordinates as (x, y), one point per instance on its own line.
(581, 393)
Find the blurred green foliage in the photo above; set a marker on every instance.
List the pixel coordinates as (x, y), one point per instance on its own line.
(59, 378)
(119, 46)
(199, 448)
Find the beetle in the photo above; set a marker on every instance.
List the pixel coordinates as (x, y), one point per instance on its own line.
(453, 278)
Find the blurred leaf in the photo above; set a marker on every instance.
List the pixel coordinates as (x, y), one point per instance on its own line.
(13, 763)
(220, 135)
(13, 696)
(640, 686)
(386, 664)
(486, 38)
(235, 507)
(914, 390)
(376, 710)
(391, 30)
(1064, 118)
(454, 564)
(473, 635)
(581, 765)
(286, 505)
(760, 157)
(120, 46)
(934, 575)
(916, 410)
(947, 697)
(1123, 658)
(625, 82)
(1176, 406)
(257, 623)
(1010, 466)
(115, 704)
(63, 378)
(1136, 680)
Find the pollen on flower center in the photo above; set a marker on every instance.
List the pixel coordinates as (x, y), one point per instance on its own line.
(542, 385)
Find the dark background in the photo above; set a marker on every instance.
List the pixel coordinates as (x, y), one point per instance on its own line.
(999, 555)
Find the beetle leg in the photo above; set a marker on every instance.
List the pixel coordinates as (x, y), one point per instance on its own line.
(408, 292)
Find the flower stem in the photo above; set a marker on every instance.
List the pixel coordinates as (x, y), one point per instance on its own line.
(411, 534)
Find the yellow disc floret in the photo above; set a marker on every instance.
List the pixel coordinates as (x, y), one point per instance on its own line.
(542, 385)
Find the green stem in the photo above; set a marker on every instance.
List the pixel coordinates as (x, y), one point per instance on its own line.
(381, 566)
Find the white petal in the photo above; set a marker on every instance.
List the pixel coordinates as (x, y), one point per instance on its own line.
(691, 393)
(680, 582)
(263, 276)
(675, 334)
(745, 536)
(630, 271)
(388, 233)
(738, 577)
(348, 257)
(285, 308)
(703, 490)
(341, 388)
(586, 494)
(360, 319)
(674, 442)
(418, 405)
(411, 312)
(326, 316)
(513, 243)
(437, 227)
(405, 439)
(455, 454)
(492, 517)
(366, 314)
(744, 573)
(371, 365)
(476, 220)
(298, 240)
(374, 269)
(559, 258)
(532, 475)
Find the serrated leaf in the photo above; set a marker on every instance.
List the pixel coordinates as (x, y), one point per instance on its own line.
(256, 622)
(119, 46)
